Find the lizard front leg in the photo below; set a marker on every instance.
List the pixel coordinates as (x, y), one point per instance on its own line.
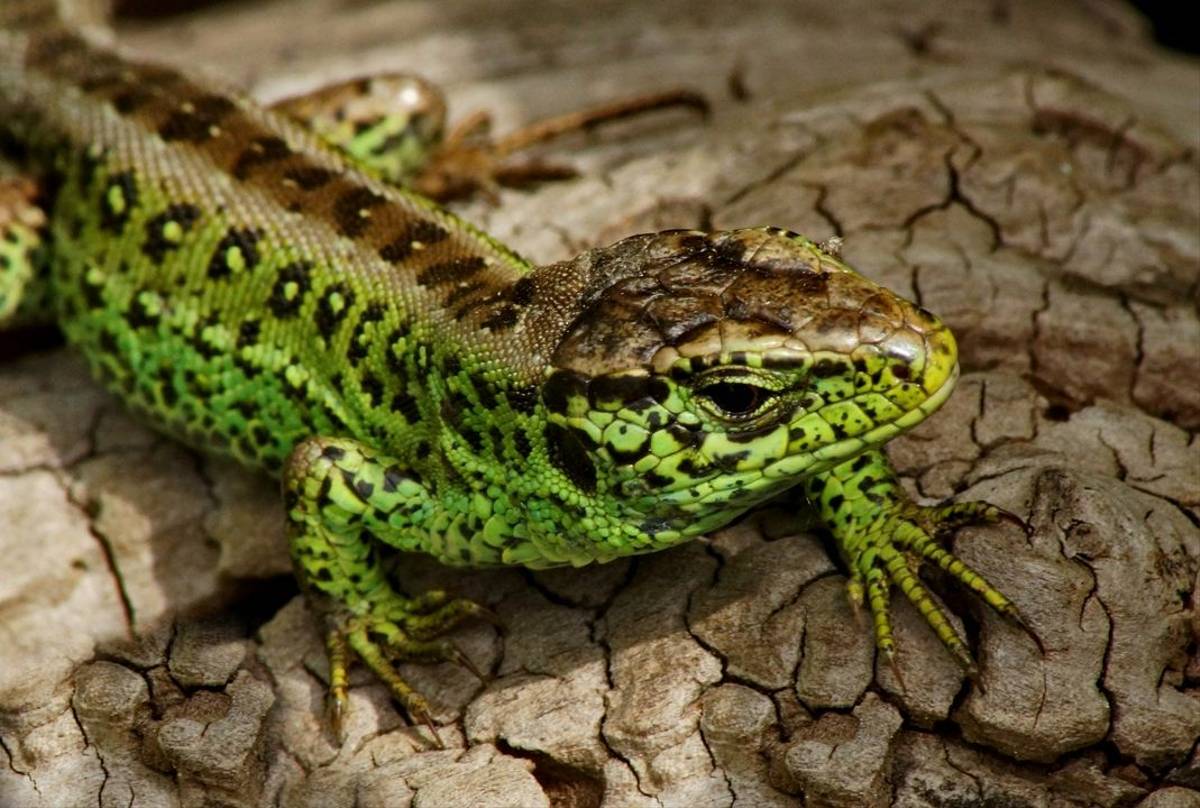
(343, 500)
(883, 537)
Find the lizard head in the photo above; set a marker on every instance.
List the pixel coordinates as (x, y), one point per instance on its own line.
(707, 372)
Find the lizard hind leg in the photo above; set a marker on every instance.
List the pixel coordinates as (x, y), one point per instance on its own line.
(344, 500)
(23, 283)
(389, 124)
(393, 126)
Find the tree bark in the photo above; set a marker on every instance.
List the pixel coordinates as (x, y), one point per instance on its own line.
(1028, 171)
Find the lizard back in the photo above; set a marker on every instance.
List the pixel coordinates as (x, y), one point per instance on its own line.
(242, 283)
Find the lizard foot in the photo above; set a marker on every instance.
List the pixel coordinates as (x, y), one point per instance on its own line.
(398, 629)
(890, 549)
(469, 160)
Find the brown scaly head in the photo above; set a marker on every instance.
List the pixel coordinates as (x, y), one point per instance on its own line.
(708, 371)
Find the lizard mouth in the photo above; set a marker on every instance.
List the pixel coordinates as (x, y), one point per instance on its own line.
(834, 453)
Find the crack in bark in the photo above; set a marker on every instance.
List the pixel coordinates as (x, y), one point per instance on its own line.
(824, 211)
(712, 758)
(616, 754)
(767, 179)
(128, 610)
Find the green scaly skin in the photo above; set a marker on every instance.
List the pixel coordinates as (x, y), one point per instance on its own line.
(417, 386)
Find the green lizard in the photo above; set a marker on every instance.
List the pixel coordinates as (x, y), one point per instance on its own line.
(258, 289)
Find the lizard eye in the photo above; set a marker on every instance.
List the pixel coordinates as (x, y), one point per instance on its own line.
(734, 399)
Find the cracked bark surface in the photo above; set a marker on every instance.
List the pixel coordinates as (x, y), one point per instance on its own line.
(1028, 172)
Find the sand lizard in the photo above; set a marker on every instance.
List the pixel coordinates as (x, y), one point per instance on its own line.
(268, 288)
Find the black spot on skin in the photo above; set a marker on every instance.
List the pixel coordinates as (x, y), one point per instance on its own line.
(396, 251)
(201, 345)
(261, 435)
(110, 218)
(836, 501)
(130, 99)
(310, 178)
(364, 488)
(628, 389)
(248, 333)
(401, 247)
(561, 387)
(351, 211)
(506, 317)
(484, 392)
(373, 313)
(422, 448)
(654, 480)
(139, 314)
(783, 362)
(462, 291)
(654, 525)
(521, 293)
(108, 342)
(89, 164)
(860, 463)
(333, 453)
(373, 388)
(392, 477)
(449, 412)
(457, 269)
(170, 396)
(496, 436)
(195, 125)
(156, 246)
(296, 392)
(358, 348)
(260, 152)
(729, 462)
(427, 232)
(750, 434)
(685, 436)
(451, 365)
(351, 481)
(569, 456)
(298, 273)
(632, 455)
(395, 361)
(327, 484)
(406, 405)
(328, 316)
(473, 438)
(522, 399)
(245, 240)
(521, 443)
(827, 367)
(729, 254)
